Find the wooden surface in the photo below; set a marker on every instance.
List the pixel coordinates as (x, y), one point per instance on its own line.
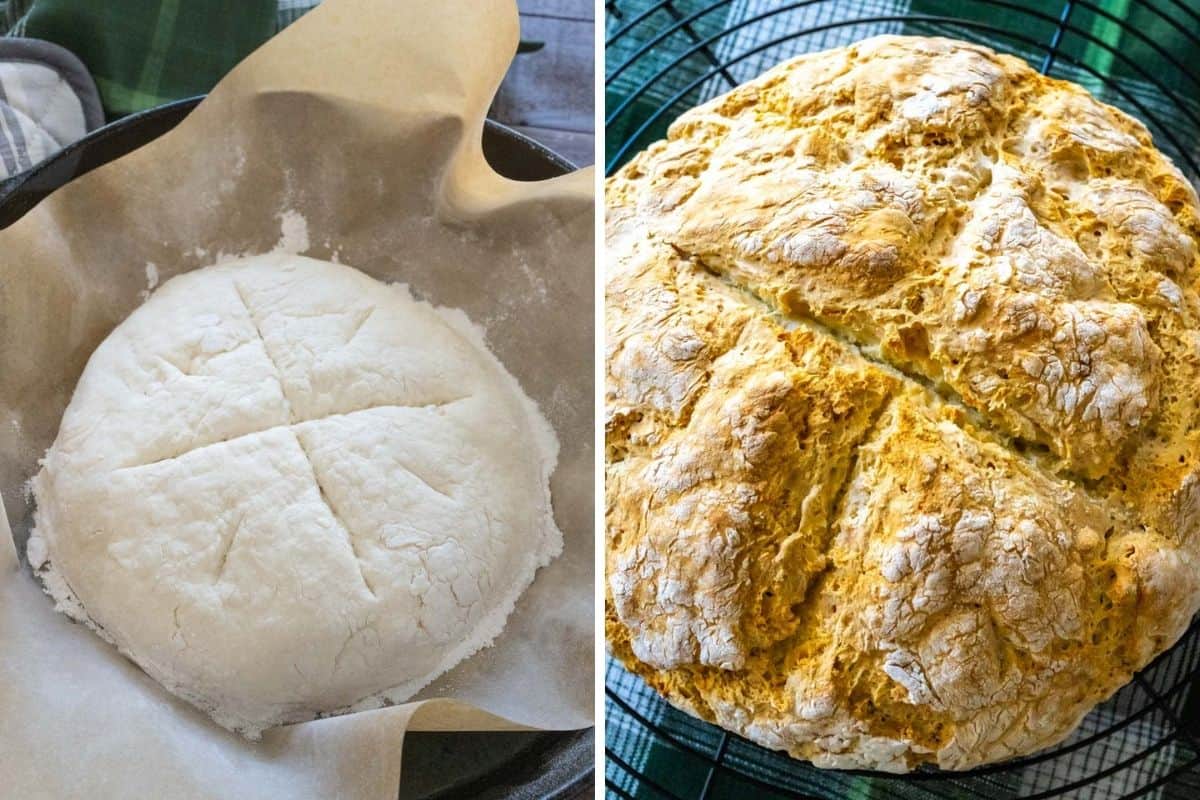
(549, 95)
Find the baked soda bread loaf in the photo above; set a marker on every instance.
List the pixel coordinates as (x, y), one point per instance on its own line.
(903, 344)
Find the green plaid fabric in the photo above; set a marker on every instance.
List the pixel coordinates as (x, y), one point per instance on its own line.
(143, 53)
(663, 58)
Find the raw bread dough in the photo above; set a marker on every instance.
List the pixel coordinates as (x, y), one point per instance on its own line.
(286, 490)
(903, 434)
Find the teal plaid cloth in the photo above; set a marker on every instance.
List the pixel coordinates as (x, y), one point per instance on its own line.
(143, 53)
(662, 59)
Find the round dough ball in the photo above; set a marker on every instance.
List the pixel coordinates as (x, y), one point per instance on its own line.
(904, 341)
(285, 490)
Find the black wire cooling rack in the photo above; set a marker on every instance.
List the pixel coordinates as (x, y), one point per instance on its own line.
(663, 58)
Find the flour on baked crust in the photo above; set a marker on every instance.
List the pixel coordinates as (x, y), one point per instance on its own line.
(902, 347)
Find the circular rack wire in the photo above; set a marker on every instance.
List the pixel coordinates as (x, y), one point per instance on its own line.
(663, 58)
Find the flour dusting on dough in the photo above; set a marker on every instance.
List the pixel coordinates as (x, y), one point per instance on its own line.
(312, 425)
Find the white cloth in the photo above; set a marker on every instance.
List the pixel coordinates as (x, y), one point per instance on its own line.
(47, 101)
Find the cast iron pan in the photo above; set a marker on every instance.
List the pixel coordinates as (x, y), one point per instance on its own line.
(437, 766)
(511, 154)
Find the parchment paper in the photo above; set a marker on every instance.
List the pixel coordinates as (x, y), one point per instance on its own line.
(352, 136)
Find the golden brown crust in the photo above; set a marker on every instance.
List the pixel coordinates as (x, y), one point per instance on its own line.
(901, 442)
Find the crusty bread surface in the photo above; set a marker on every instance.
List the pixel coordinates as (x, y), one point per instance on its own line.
(902, 354)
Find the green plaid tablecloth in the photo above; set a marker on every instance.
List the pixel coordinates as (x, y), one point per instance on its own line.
(656, 68)
(143, 53)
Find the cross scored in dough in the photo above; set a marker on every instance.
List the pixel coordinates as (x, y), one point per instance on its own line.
(290, 426)
(285, 489)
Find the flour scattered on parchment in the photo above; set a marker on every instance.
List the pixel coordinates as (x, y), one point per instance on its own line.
(27, 486)
(151, 280)
(293, 233)
(23, 446)
(536, 282)
(293, 239)
(219, 257)
(335, 253)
